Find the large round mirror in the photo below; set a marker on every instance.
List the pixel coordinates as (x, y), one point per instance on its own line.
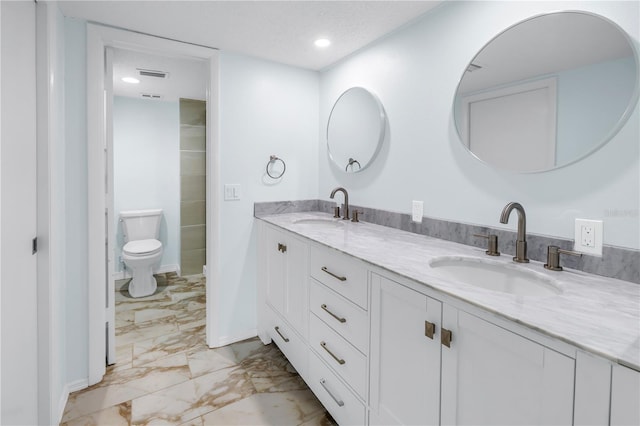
(355, 130)
(547, 92)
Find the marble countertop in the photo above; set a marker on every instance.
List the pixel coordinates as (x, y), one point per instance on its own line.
(598, 314)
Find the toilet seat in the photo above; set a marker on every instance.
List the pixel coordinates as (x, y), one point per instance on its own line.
(142, 247)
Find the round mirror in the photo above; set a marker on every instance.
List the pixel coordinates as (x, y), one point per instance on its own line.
(356, 129)
(547, 92)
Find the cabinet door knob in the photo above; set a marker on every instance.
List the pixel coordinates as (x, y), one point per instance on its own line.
(446, 337)
(429, 329)
(282, 247)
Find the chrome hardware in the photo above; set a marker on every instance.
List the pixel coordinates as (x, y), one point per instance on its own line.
(346, 201)
(429, 329)
(445, 337)
(351, 163)
(336, 212)
(324, 307)
(272, 160)
(338, 401)
(553, 257)
(354, 217)
(283, 338)
(324, 268)
(521, 242)
(282, 247)
(492, 249)
(338, 360)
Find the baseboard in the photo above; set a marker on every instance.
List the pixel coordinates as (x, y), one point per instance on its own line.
(126, 274)
(227, 340)
(67, 390)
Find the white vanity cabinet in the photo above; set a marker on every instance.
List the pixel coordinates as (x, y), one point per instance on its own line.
(432, 363)
(625, 396)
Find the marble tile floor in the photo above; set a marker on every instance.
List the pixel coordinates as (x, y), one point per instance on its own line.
(166, 375)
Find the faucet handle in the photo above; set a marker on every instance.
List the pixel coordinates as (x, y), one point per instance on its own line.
(553, 257)
(336, 212)
(354, 217)
(492, 249)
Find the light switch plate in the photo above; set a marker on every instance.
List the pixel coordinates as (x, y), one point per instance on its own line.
(588, 237)
(231, 191)
(417, 211)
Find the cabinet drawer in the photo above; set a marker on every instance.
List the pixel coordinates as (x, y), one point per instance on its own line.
(289, 342)
(350, 321)
(341, 273)
(346, 360)
(343, 405)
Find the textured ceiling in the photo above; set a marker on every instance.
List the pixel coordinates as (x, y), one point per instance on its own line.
(281, 31)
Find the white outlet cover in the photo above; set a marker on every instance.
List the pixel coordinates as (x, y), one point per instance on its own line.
(596, 226)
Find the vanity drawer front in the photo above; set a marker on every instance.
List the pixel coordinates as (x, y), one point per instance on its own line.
(346, 360)
(344, 405)
(289, 342)
(350, 321)
(341, 273)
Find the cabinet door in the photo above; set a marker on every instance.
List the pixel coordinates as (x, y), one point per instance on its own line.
(275, 266)
(296, 299)
(405, 363)
(491, 376)
(625, 396)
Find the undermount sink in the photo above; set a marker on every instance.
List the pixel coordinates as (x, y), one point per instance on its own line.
(320, 222)
(491, 275)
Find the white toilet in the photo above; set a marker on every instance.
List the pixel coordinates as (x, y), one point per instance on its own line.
(142, 250)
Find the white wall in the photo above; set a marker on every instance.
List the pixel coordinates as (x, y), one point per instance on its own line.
(76, 202)
(265, 108)
(415, 72)
(146, 162)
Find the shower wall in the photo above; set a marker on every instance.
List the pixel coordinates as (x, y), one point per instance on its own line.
(193, 252)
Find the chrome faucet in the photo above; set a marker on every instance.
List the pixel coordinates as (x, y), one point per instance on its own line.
(346, 200)
(521, 241)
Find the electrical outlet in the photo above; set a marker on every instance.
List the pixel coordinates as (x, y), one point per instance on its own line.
(417, 211)
(588, 237)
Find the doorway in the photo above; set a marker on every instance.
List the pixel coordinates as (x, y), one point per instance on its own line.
(101, 44)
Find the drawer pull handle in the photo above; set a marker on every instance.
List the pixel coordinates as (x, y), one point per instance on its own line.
(429, 329)
(338, 401)
(445, 337)
(283, 338)
(338, 360)
(324, 268)
(324, 307)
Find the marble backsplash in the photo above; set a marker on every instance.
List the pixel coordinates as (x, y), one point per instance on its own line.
(616, 262)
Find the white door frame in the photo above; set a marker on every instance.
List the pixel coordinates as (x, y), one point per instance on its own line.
(98, 38)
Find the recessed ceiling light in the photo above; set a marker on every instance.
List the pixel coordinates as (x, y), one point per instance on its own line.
(322, 42)
(130, 80)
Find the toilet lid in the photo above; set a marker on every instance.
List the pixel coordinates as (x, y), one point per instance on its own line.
(141, 247)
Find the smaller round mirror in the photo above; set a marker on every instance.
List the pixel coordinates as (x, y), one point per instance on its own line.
(355, 130)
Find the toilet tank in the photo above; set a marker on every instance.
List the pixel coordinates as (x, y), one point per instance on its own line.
(141, 224)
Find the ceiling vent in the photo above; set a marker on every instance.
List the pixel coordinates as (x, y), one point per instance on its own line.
(153, 73)
(150, 96)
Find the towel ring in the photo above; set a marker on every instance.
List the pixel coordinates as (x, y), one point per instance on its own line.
(351, 163)
(273, 159)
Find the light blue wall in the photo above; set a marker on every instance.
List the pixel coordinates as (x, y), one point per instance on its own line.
(146, 163)
(265, 108)
(76, 199)
(415, 72)
(587, 116)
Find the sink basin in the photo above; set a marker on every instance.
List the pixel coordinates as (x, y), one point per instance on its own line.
(320, 222)
(494, 276)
